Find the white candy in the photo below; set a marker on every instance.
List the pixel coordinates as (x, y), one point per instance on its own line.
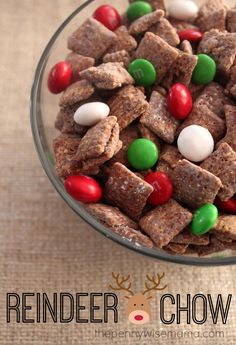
(90, 114)
(195, 143)
(183, 9)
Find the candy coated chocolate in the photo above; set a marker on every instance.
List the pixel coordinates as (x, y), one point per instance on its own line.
(163, 188)
(205, 70)
(89, 114)
(228, 206)
(195, 143)
(59, 77)
(108, 16)
(142, 154)
(204, 219)
(83, 188)
(191, 35)
(143, 72)
(179, 101)
(183, 10)
(138, 9)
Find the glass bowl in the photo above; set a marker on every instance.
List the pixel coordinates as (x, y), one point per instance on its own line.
(44, 108)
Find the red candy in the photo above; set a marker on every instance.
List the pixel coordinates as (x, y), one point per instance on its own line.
(163, 188)
(108, 16)
(179, 101)
(83, 188)
(59, 77)
(191, 35)
(228, 206)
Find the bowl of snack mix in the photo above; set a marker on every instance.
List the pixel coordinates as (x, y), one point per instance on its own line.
(133, 113)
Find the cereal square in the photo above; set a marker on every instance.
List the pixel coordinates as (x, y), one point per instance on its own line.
(143, 23)
(222, 163)
(231, 86)
(165, 30)
(164, 167)
(226, 227)
(176, 248)
(212, 15)
(65, 121)
(193, 185)
(119, 56)
(186, 47)
(99, 144)
(128, 104)
(159, 120)
(135, 236)
(91, 39)
(231, 20)
(204, 117)
(230, 139)
(164, 222)
(112, 148)
(108, 76)
(213, 96)
(221, 46)
(181, 71)
(214, 246)
(75, 93)
(157, 51)
(220, 235)
(127, 191)
(171, 155)
(181, 25)
(230, 117)
(186, 237)
(118, 222)
(123, 41)
(195, 90)
(78, 63)
(148, 134)
(96, 139)
(127, 136)
(110, 216)
(65, 148)
(230, 245)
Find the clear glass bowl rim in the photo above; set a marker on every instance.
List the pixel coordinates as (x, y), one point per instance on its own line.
(76, 207)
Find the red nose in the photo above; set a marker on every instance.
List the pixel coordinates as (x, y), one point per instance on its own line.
(138, 317)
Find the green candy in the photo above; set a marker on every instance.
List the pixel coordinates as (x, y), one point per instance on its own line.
(142, 154)
(205, 70)
(204, 219)
(143, 72)
(138, 9)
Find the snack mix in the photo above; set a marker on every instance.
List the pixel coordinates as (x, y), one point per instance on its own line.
(148, 123)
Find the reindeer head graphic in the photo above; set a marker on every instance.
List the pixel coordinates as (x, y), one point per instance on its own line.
(138, 309)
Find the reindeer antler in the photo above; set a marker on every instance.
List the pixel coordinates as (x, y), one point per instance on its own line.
(120, 284)
(156, 281)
